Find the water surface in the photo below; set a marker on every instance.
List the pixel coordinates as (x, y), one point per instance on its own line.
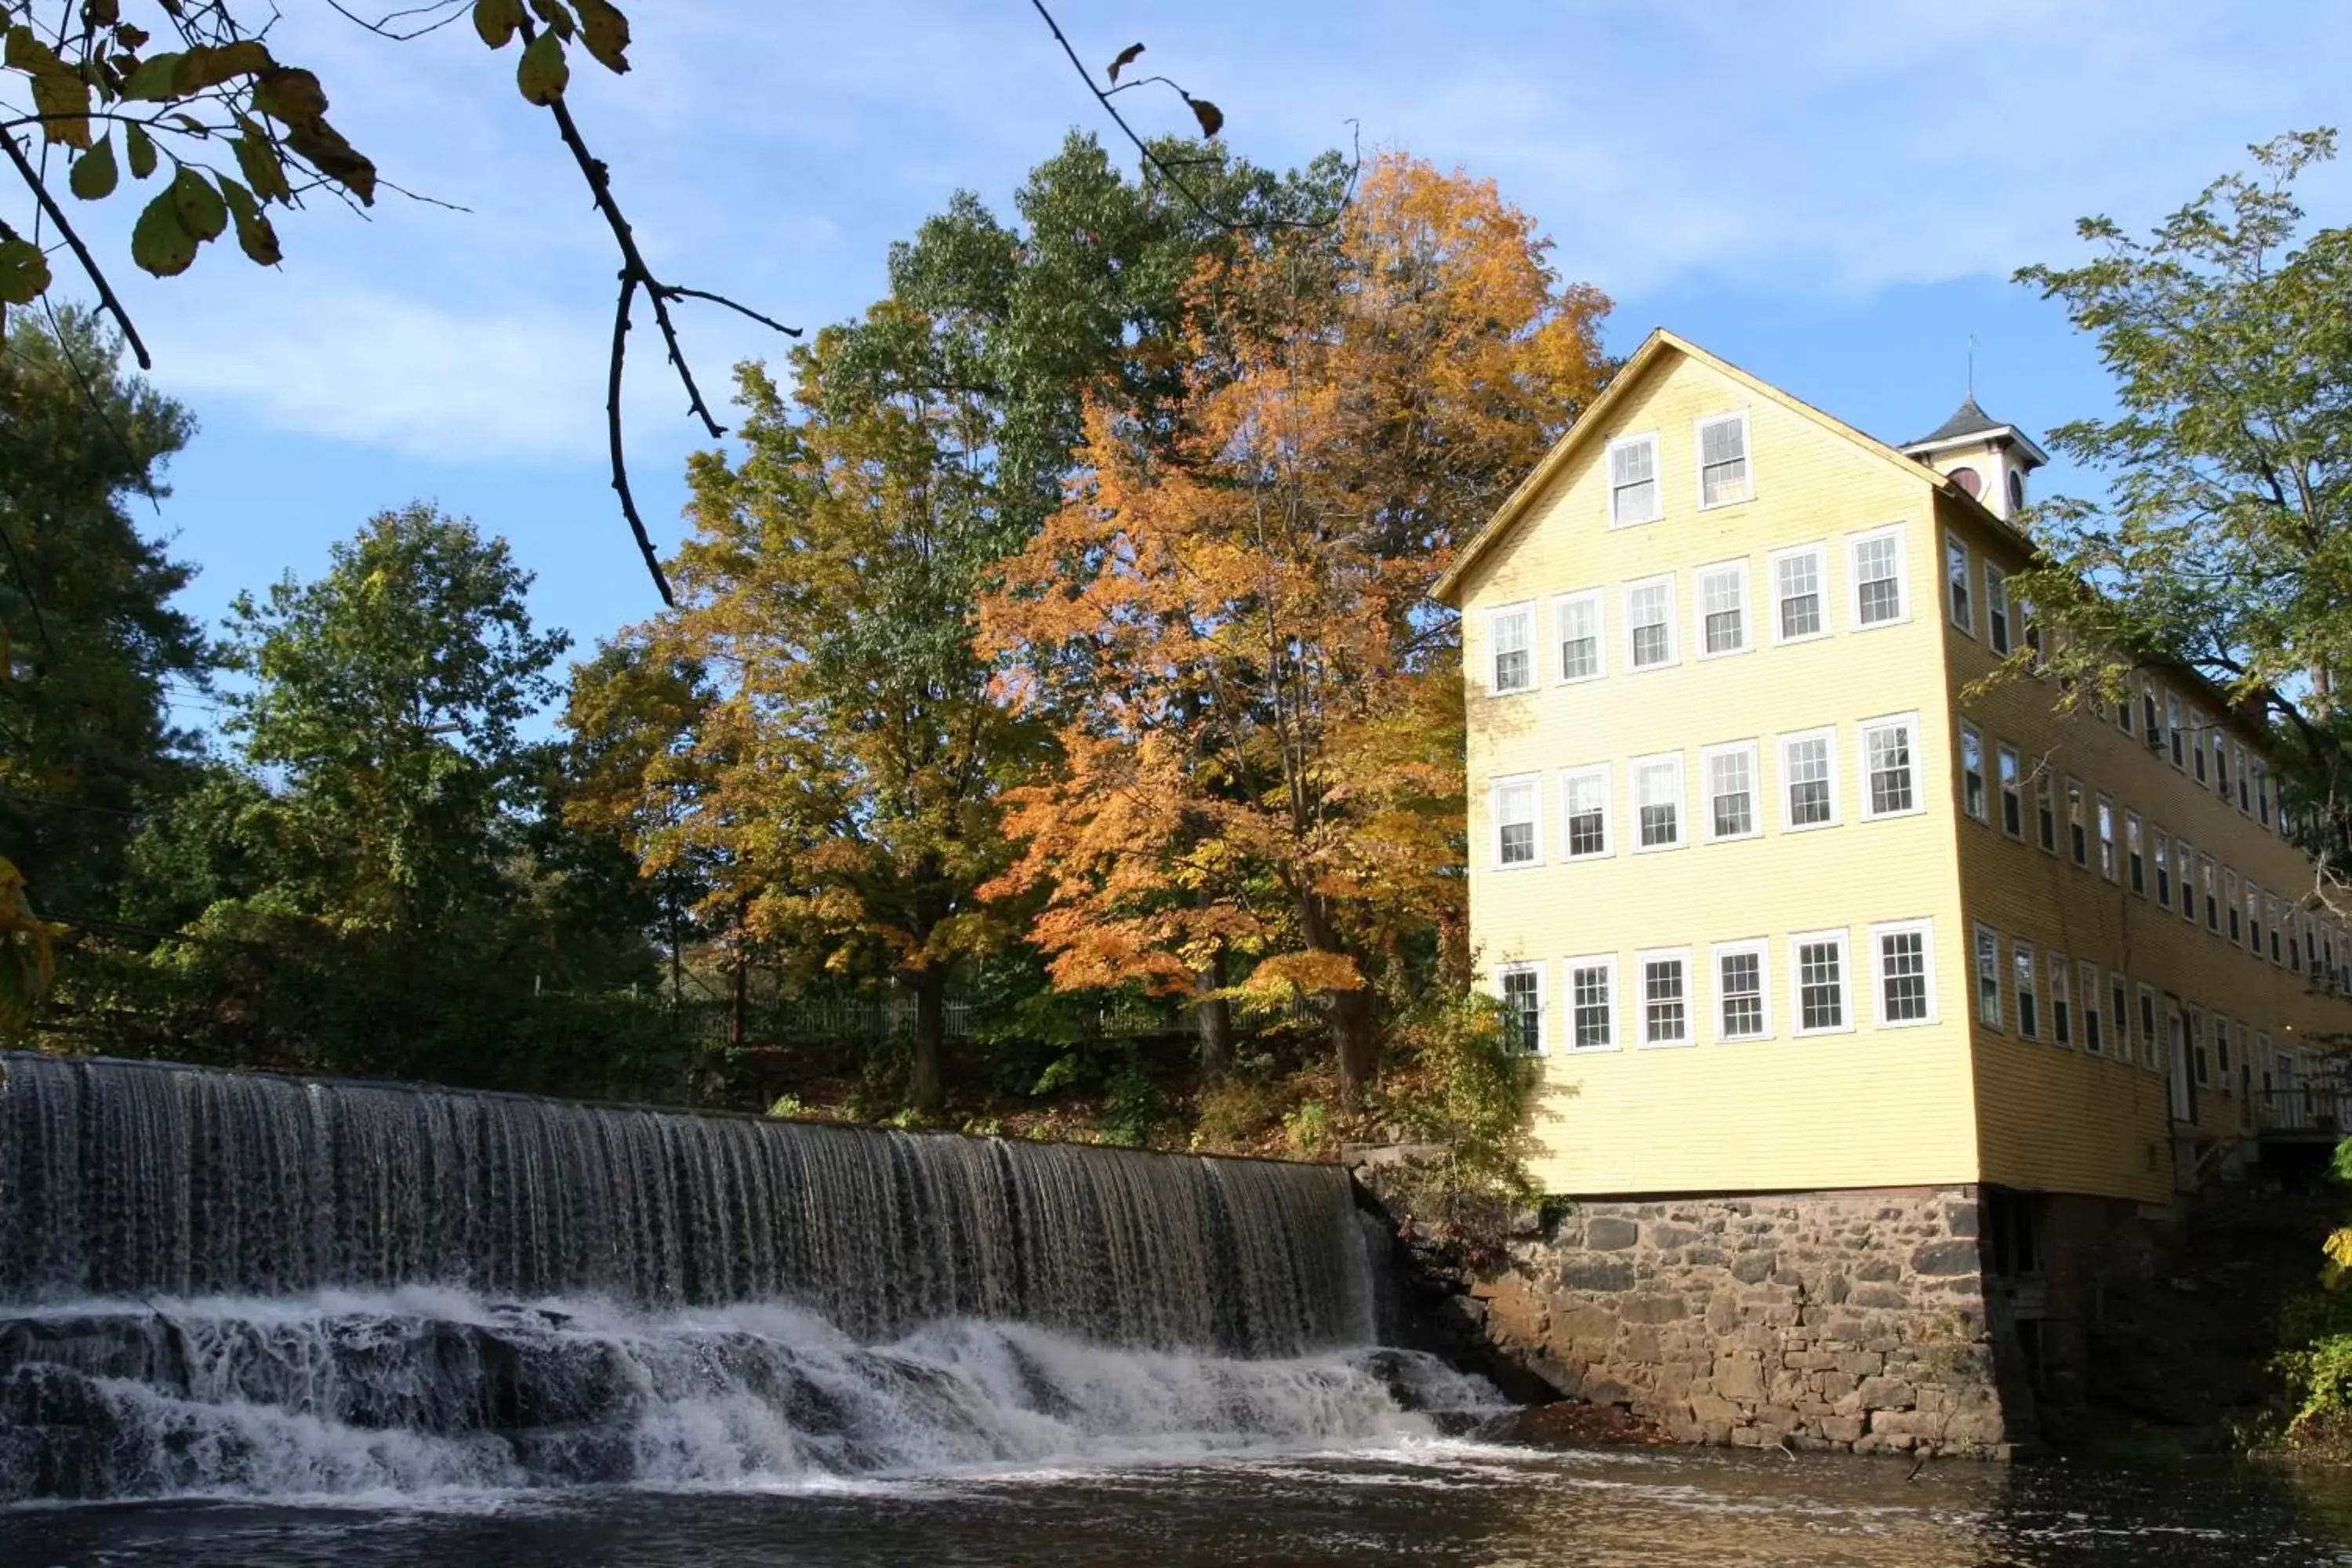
(1429, 1502)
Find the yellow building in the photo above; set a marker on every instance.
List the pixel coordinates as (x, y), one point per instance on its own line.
(1785, 902)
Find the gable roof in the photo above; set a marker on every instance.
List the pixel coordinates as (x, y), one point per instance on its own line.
(1968, 419)
(1653, 351)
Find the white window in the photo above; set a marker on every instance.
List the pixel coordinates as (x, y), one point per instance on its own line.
(2105, 815)
(2184, 862)
(2013, 793)
(1731, 790)
(1723, 476)
(1799, 583)
(1906, 973)
(1879, 598)
(2135, 853)
(1592, 1004)
(1889, 768)
(1585, 812)
(2150, 724)
(1650, 623)
(2062, 1009)
(1634, 480)
(1723, 608)
(1523, 1008)
(2245, 785)
(2229, 906)
(2119, 1028)
(2028, 995)
(1809, 780)
(1817, 971)
(1972, 775)
(2253, 918)
(1666, 997)
(1996, 608)
(2196, 746)
(1956, 584)
(1742, 991)
(2263, 793)
(1512, 634)
(1658, 801)
(2095, 1020)
(1988, 1008)
(1517, 841)
(1576, 620)
(2151, 1051)
(2163, 843)
(2172, 724)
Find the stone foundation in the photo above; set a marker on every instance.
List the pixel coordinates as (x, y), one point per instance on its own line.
(1848, 1321)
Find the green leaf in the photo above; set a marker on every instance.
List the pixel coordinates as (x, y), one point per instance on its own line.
(140, 148)
(544, 72)
(202, 213)
(25, 51)
(558, 19)
(153, 82)
(94, 172)
(606, 33)
(24, 270)
(291, 95)
(332, 156)
(262, 168)
(62, 100)
(255, 236)
(159, 244)
(207, 66)
(497, 20)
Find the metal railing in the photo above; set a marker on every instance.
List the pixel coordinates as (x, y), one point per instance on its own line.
(2304, 1107)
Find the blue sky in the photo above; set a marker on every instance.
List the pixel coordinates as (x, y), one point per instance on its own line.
(1830, 193)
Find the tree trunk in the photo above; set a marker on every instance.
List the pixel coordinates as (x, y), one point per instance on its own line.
(1212, 1016)
(739, 1016)
(927, 1086)
(1354, 1032)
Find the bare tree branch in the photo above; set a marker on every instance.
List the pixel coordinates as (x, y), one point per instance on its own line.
(613, 435)
(1164, 167)
(105, 297)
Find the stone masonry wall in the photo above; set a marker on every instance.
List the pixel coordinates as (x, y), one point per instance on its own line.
(1847, 1320)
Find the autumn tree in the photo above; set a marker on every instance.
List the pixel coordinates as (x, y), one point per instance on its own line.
(2225, 539)
(1257, 704)
(847, 767)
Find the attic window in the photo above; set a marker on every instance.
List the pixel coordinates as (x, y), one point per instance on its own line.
(1633, 480)
(1968, 479)
(1723, 460)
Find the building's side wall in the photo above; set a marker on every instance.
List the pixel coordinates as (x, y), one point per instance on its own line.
(1843, 1320)
(1868, 1106)
(2062, 1119)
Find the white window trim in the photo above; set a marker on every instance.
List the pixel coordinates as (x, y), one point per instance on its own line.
(2058, 986)
(2152, 1043)
(1698, 458)
(1524, 607)
(1759, 949)
(1903, 607)
(1494, 822)
(1542, 1047)
(1642, 959)
(1820, 551)
(1797, 941)
(1925, 930)
(1599, 599)
(2033, 956)
(1969, 576)
(2110, 851)
(1747, 607)
(2091, 1003)
(1995, 592)
(1780, 752)
(1754, 789)
(1996, 797)
(1657, 479)
(1909, 721)
(1606, 962)
(1608, 814)
(1999, 1024)
(2121, 1031)
(1673, 630)
(1633, 767)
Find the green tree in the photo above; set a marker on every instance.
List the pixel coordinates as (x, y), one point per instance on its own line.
(89, 639)
(2225, 540)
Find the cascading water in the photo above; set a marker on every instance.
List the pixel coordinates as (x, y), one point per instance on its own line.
(219, 1282)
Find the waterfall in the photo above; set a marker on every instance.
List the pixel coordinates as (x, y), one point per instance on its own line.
(265, 1285)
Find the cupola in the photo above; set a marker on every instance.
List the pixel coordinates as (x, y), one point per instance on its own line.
(1987, 458)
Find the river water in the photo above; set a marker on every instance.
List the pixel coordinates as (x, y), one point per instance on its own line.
(1431, 1502)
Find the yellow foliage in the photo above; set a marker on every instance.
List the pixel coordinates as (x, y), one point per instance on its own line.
(27, 967)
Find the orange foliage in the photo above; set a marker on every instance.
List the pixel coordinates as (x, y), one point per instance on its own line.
(1258, 707)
